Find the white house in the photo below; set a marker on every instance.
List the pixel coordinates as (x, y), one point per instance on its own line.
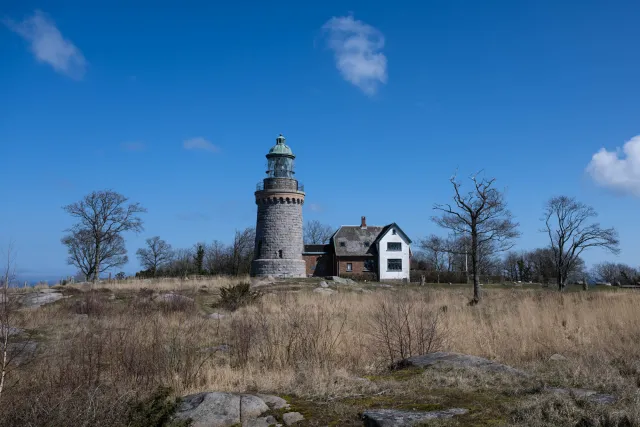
(362, 252)
(394, 253)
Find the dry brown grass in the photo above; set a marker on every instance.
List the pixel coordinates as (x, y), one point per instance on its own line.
(312, 346)
(163, 283)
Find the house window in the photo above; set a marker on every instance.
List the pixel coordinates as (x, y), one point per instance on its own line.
(349, 266)
(394, 265)
(393, 231)
(394, 246)
(368, 265)
(343, 244)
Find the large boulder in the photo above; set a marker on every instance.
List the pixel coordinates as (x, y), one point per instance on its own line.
(397, 418)
(291, 418)
(216, 409)
(448, 359)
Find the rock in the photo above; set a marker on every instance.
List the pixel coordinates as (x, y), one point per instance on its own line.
(252, 406)
(558, 358)
(324, 284)
(112, 297)
(274, 402)
(290, 418)
(324, 291)
(216, 316)
(260, 422)
(82, 317)
(216, 409)
(40, 298)
(396, 418)
(590, 395)
(172, 298)
(448, 359)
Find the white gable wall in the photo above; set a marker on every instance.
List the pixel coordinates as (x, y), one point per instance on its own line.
(385, 255)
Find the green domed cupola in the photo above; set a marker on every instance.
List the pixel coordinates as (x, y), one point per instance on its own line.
(280, 160)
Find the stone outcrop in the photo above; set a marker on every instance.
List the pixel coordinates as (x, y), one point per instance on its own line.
(217, 409)
(449, 359)
(40, 298)
(291, 418)
(397, 418)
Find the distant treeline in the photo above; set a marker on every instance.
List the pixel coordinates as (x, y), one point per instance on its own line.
(216, 258)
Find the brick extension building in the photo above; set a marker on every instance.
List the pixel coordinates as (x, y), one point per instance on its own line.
(361, 251)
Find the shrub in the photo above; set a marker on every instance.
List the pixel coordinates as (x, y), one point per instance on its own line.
(155, 411)
(234, 297)
(90, 303)
(403, 326)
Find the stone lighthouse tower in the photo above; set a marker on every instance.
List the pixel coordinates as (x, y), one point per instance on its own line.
(278, 249)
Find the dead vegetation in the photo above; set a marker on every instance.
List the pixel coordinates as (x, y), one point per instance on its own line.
(102, 352)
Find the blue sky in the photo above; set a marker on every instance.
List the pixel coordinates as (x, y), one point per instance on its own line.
(175, 105)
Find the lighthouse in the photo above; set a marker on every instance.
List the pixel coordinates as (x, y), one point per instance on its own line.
(279, 242)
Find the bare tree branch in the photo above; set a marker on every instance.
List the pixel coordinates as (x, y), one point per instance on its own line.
(102, 217)
(566, 224)
(316, 233)
(155, 255)
(482, 215)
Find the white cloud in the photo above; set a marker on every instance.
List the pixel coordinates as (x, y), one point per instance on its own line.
(618, 170)
(357, 48)
(48, 45)
(199, 143)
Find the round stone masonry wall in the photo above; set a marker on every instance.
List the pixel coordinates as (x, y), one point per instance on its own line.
(279, 235)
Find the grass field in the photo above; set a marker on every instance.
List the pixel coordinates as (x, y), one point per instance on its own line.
(106, 348)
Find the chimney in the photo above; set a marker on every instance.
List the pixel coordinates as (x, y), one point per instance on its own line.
(363, 222)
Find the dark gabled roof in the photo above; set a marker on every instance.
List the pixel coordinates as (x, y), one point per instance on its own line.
(358, 241)
(388, 227)
(316, 249)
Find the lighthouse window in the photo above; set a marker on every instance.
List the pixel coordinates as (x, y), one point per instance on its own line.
(280, 253)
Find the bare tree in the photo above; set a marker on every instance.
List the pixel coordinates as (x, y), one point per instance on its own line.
(316, 233)
(242, 250)
(5, 315)
(613, 273)
(510, 265)
(542, 264)
(102, 217)
(81, 248)
(216, 257)
(481, 214)
(155, 255)
(436, 249)
(567, 225)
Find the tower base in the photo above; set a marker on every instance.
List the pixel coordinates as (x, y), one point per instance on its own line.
(279, 268)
